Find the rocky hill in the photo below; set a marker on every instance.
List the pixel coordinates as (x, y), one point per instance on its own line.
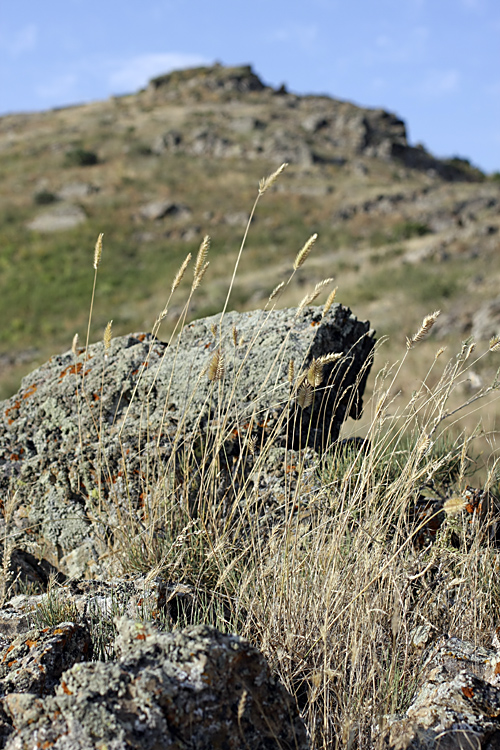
(401, 230)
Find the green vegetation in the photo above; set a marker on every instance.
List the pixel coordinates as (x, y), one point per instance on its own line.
(80, 157)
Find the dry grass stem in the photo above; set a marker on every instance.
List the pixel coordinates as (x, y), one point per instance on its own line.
(267, 182)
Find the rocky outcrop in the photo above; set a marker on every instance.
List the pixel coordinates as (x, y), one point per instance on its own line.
(458, 704)
(195, 688)
(89, 427)
(302, 130)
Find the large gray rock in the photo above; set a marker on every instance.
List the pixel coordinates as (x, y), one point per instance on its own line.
(195, 688)
(101, 426)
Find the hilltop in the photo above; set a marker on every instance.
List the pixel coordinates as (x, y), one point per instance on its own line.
(402, 231)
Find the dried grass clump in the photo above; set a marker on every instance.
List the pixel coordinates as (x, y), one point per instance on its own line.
(335, 589)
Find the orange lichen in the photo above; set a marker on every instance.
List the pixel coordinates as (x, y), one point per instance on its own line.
(30, 391)
(468, 692)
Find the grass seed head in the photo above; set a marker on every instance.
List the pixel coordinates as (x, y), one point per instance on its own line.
(267, 182)
(329, 302)
(494, 345)
(74, 345)
(305, 395)
(315, 373)
(107, 336)
(304, 252)
(98, 251)
(276, 290)
(216, 366)
(180, 273)
(424, 329)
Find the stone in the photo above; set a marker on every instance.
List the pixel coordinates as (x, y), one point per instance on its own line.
(76, 191)
(52, 457)
(58, 219)
(486, 320)
(34, 661)
(194, 688)
(458, 703)
(160, 209)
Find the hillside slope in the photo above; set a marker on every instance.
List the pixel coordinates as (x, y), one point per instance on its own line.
(402, 232)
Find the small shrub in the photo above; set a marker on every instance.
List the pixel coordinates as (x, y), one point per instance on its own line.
(44, 198)
(80, 157)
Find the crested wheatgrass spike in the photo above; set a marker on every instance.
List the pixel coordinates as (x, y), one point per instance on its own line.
(439, 352)
(329, 302)
(332, 357)
(276, 290)
(424, 329)
(304, 252)
(98, 251)
(305, 395)
(234, 333)
(197, 280)
(74, 345)
(216, 366)
(202, 255)
(107, 336)
(454, 505)
(180, 273)
(201, 264)
(291, 371)
(309, 298)
(494, 344)
(315, 373)
(267, 182)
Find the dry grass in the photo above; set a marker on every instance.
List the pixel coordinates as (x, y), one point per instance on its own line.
(339, 589)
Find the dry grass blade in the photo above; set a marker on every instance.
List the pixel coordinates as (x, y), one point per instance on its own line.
(98, 251)
(180, 273)
(424, 329)
(267, 182)
(304, 252)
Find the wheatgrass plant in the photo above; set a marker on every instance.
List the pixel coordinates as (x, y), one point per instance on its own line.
(336, 590)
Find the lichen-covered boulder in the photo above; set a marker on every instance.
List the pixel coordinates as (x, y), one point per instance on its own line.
(34, 661)
(458, 703)
(97, 426)
(195, 688)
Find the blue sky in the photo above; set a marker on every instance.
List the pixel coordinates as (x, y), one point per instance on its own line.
(436, 63)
